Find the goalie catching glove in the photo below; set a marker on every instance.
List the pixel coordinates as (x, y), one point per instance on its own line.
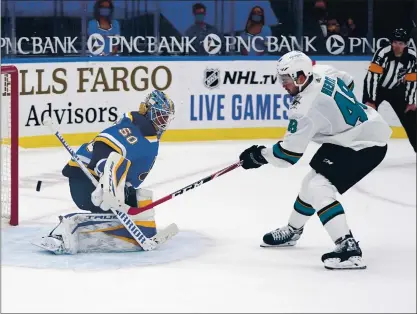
(110, 192)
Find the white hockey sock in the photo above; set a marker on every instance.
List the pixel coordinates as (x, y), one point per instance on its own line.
(334, 221)
(301, 213)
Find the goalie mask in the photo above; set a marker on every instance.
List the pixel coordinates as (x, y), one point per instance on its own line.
(159, 109)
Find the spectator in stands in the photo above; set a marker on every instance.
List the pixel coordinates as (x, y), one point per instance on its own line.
(320, 7)
(256, 33)
(104, 24)
(315, 24)
(200, 29)
(351, 28)
(333, 27)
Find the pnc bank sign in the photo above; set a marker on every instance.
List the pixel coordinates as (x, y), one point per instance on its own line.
(336, 44)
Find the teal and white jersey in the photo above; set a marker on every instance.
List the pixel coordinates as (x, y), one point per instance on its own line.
(321, 70)
(327, 111)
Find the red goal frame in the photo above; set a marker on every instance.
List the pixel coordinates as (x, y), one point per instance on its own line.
(14, 142)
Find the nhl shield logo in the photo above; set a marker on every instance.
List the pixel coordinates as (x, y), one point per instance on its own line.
(212, 78)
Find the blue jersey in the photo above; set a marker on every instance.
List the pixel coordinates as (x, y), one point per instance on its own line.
(94, 28)
(133, 137)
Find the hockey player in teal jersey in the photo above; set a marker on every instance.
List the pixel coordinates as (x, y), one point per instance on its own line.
(353, 140)
(134, 141)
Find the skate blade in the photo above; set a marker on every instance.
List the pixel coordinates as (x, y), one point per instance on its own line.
(354, 262)
(290, 243)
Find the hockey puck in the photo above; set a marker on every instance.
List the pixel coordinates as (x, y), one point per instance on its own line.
(38, 186)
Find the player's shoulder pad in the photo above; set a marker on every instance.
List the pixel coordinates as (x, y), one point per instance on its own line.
(321, 69)
(298, 107)
(144, 126)
(112, 135)
(303, 102)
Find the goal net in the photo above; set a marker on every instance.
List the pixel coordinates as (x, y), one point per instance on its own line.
(9, 132)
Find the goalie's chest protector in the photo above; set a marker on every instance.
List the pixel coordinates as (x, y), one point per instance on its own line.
(143, 157)
(132, 141)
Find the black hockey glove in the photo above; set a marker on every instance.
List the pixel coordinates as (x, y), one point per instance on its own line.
(252, 158)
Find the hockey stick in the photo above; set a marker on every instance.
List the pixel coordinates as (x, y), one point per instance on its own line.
(146, 243)
(135, 211)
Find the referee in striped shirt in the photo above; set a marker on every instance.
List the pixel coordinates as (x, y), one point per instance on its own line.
(392, 77)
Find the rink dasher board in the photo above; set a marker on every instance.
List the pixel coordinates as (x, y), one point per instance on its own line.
(216, 98)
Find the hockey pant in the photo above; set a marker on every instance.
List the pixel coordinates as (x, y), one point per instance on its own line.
(81, 189)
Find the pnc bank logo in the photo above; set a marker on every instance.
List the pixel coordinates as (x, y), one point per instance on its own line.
(335, 44)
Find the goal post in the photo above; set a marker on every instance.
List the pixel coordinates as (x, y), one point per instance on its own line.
(9, 131)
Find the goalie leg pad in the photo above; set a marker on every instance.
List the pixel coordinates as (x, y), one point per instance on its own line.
(85, 233)
(144, 197)
(105, 233)
(140, 198)
(61, 240)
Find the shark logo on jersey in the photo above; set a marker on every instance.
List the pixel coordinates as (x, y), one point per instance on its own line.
(295, 102)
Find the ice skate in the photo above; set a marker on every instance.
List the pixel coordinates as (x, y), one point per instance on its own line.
(285, 236)
(347, 255)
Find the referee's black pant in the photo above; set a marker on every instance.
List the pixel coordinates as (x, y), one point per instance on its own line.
(396, 98)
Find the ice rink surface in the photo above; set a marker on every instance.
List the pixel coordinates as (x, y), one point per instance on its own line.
(215, 263)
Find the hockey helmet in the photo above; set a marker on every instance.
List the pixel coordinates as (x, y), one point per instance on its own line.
(400, 34)
(292, 65)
